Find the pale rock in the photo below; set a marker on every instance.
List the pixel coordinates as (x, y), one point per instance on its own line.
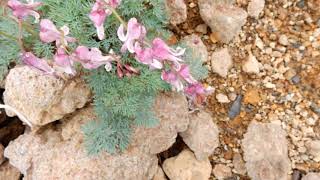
(159, 175)
(185, 166)
(2, 158)
(197, 47)
(172, 111)
(202, 135)
(8, 172)
(58, 152)
(238, 164)
(255, 7)
(251, 65)
(313, 148)
(259, 43)
(266, 152)
(177, 11)
(221, 171)
(224, 19)
(43, 98)
(221, 62)
(311, 176)
(202, 28)
(283, 40)
(222, 98)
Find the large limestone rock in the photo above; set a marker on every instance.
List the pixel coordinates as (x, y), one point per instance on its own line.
(196, 45)
(43, 98)
(58, 151)
(177, 11)
(8, 172)
(224, 19)
(185, 166)
(266, 152)
(202, 135)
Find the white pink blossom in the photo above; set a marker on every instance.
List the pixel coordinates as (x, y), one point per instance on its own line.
(34, 62)
(64, 61)
(22, 10)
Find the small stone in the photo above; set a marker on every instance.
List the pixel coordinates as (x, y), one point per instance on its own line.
(197, 47)
(186, 166)
(221, 62)
(232, 96)
(315, 108)
(296, 175)
(311, 176)
(8, 172)
(255, 7)
(222, 171)
(283, 40)
(313, 148)
(202, 28)
(202, 135)
(252, 96)
(238, 164)
(224, 19)
(276, 54)
(222, 98)
(235, 108)
(295, 79)
(266, 151)
(259, 43)
(251, 65)
(177, 11)
(301, 4)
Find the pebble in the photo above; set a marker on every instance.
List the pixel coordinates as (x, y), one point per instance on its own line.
(222, 171)
(255, 7)
(222, 98)
(235, 108)
(295, 79)
(202, 28)
(251, 65)
(238, 164)
(296, 175)
(283, 40)
(221, 62)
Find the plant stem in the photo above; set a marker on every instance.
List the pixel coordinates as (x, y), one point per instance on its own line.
(118, 16)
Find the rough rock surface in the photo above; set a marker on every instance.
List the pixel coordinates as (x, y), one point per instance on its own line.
(266, 152)
(251, 65)
(185, 166)
(172, 111)
(202, 135)
(314, 149)
(238, 164)
(224, 19)
(255, 7)
(42, 98)
(199, 50)
(177, 11)
(51, 153)
(222, 171)
(312, 176)
(221, 62)
(8, 172)
(159, 175)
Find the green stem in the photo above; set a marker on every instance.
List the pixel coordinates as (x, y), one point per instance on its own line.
(118, 17)
(8, 36)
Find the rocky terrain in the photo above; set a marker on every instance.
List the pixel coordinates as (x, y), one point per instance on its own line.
(261, 123)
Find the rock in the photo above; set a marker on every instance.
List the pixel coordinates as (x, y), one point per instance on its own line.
(313, 148)
(222, 171)
(221, 62)
(283, 40)
(296, 174)
(224, 19)
(186, 167)
(199, 50)
(251, 65)
(202, 28)
(159, 175)
(43, 98)
(266, 152)
(235, 108)
(252, 96)
(202, 135)
(2, 158)
(255, 7)
(177, 11)
(238, 164)
(58, 151)
(222, 98)
(172, 111)
(8, 172)
(296, 79)
(312, 176)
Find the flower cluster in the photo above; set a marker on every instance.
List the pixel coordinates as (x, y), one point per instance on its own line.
(155, 53)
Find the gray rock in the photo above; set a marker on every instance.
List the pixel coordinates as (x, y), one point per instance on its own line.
(221, 62)
(266, 152)
(199, 50)
(202, 135)
(222, 171)
(224, 19)
(185, 166)
(313, 148)
(295, 79)
(255, 7)
(312, 176)
(238, 164)
(177, 11)
(235, 108)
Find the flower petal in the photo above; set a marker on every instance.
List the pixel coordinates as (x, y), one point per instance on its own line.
(31, 60)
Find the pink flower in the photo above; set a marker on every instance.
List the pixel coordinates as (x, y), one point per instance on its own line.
(184, 72)
(135, 32)
(99, 12)
(92, 58)
(197, 92)
(64, 61)
(173, 79)
(40, 64)
(145, 56)
(49, 33)
(21, 10)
